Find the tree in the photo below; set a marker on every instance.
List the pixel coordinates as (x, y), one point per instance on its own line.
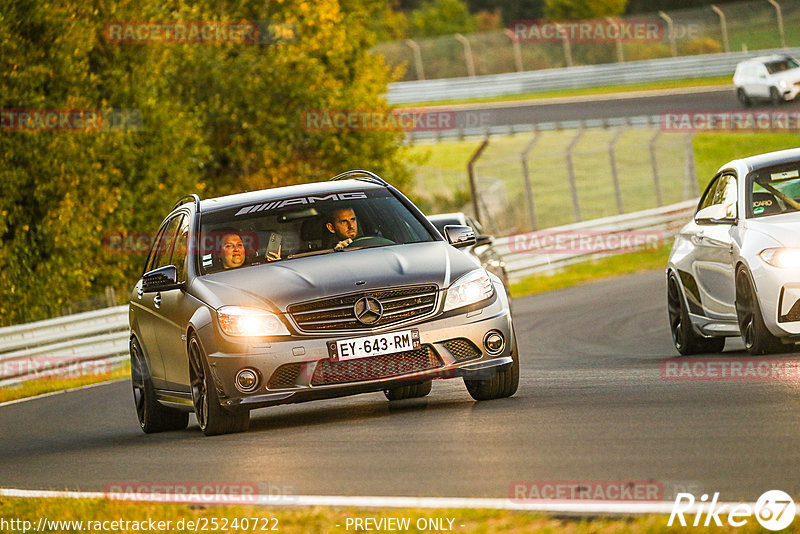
(215, 119)
(583, 9)
(442, 17)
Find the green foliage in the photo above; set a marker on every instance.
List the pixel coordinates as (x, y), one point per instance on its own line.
(442, 17)
(217, 119)
(583, 9)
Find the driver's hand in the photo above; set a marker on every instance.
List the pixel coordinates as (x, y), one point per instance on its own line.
(274, 256)
(341, 244)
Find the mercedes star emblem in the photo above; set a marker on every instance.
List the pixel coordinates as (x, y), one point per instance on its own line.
(368, 310)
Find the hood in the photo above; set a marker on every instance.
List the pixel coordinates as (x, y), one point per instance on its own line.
(277, 285)
(784, 228)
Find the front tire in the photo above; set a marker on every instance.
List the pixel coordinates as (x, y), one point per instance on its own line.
(503, 383)
(775, 96)
(755, 335)
(211, 416)
(153, 416)
(684, 338)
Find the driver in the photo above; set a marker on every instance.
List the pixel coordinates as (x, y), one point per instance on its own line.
(342, 223)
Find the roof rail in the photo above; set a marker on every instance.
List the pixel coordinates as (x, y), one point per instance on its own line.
(358, 174)
(189, 198)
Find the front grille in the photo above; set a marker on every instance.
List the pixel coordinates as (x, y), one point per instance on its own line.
(285, 376)
(462, 349)
(336, 313)
(376, 367)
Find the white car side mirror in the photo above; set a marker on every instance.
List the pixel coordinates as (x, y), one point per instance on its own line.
(713, 215)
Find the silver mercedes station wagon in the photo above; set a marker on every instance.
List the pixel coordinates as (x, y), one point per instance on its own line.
(308, 292)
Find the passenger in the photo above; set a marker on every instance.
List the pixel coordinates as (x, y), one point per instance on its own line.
(233, 253)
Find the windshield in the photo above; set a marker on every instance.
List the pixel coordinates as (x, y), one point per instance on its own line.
(781, 65)
(294, 227)
(774, 190)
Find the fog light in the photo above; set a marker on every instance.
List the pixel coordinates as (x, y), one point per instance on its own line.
(246, 380)
(494, 342)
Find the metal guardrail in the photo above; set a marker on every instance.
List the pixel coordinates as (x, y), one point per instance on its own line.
(666, 220)
(83, 343)
(96, 341)
(648, 70)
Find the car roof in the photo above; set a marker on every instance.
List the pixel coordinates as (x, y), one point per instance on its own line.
(765, 59)
(760, 161)
(289, 191)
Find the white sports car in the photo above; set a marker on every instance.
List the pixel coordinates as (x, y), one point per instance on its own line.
(735, 268)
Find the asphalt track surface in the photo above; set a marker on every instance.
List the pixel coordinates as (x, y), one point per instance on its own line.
(604, 107)
(592, 405)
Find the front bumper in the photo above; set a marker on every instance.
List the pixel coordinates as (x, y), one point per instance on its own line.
(299, 369)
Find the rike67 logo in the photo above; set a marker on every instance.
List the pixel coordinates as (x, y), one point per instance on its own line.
(774, 510)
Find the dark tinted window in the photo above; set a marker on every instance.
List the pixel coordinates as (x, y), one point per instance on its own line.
(773, 190)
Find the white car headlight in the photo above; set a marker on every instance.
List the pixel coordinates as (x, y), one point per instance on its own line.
(473, 287)
(783, 84)
(251, 322)
(784, 257)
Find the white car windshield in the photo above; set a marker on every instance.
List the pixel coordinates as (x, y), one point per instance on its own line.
(774, 190)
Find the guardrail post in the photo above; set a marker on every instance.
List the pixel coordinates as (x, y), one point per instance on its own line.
(777, 7)
(618, 40)
(573, 186)
(467, 54)
(691, 187)
(471, 173)
(412, 44)
(673, 48)
(526, 176)
(654, 165)
(612, 156)
(517, 51)
(567, 47)
(723, 24)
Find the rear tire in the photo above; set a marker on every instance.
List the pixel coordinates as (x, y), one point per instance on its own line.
(411, 391)
(684, 338)
(755, 335)
(211, 416)
(502, 384)
(153, 416)
(743, 98)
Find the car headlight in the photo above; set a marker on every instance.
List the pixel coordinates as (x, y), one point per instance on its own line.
(784, 257)
(252, 322)
(473, 287)
(783, 84)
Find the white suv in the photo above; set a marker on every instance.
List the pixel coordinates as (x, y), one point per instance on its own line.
(774, 78)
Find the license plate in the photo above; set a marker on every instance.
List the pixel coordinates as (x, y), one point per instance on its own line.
(377, 345)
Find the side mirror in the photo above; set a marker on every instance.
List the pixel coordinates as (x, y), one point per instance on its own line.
(716, 214)
(483, 239)
(459, 236)
(161, 279)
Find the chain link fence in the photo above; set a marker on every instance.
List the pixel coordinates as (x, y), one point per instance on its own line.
(751, 25)
(552, 178)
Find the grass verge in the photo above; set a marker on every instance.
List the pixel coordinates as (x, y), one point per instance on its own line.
(310, 519)
(600, 90)
(600, 268)
(31, 388)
